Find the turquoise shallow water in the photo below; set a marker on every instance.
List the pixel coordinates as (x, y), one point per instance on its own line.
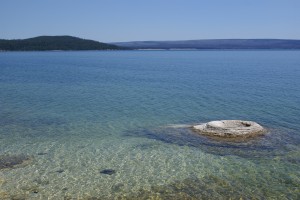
(75, 114)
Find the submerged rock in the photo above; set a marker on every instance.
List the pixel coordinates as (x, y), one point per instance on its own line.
(14, 161)
(230, 128)
(60, 171)
(108, 171)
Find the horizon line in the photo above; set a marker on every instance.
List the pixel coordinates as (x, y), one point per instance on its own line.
(264, 38)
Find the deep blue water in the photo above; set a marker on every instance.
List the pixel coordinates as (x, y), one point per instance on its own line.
(128, 97)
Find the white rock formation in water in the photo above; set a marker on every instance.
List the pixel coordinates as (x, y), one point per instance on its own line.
(230, 128)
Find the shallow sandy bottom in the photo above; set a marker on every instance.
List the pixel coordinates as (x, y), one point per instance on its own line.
(68, 167)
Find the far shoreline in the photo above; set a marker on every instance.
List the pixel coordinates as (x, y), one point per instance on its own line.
(121, 50)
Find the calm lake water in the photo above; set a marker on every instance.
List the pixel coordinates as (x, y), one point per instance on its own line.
(107, 124)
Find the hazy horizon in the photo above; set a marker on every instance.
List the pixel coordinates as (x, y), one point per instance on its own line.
(160, 40)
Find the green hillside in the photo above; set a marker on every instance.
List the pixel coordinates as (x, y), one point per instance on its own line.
(45, 43)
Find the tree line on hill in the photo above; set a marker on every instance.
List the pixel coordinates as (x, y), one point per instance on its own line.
(44, 43)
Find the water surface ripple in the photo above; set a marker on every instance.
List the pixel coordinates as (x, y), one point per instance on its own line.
(100, 124)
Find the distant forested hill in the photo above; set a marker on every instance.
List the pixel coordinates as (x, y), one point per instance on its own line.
(214, 44)
(44, 43)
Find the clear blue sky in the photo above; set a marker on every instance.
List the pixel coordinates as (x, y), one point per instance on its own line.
(130, 20)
